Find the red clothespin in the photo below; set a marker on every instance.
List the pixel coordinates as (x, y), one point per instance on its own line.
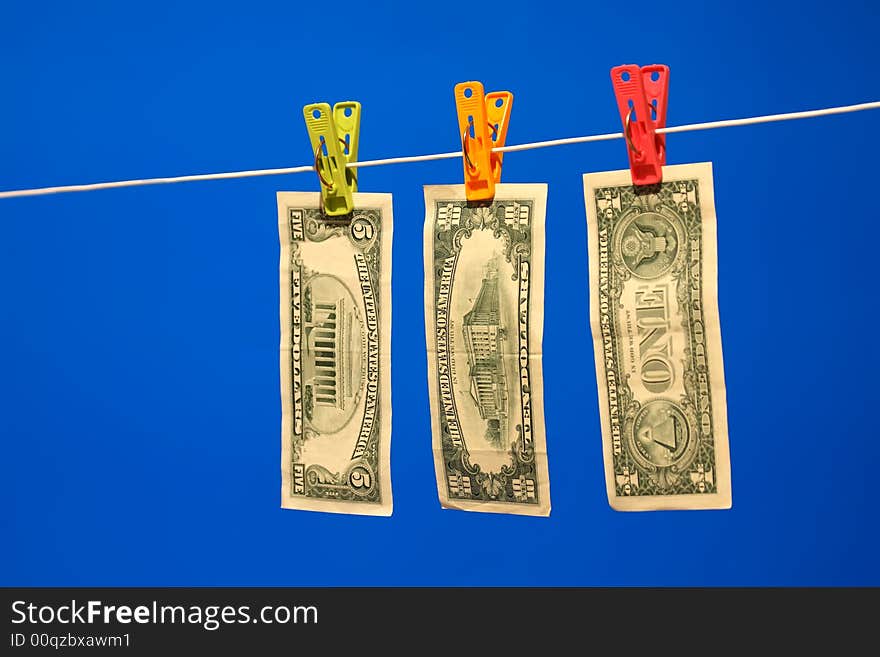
(482, 123)
(642, 95)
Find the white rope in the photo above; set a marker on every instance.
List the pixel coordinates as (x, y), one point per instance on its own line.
(729, 123)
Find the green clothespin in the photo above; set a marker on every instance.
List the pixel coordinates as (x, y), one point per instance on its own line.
(334, 139)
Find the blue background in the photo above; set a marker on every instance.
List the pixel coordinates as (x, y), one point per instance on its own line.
(139, 395)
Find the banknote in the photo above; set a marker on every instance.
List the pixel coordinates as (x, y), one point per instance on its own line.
(335, 355)
(484, 317)
(657, 339)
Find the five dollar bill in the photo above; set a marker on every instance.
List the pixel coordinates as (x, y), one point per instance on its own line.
(335, 355)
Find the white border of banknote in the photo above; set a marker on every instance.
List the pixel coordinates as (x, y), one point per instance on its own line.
(537, 192)
(383, 203)
(721, 499)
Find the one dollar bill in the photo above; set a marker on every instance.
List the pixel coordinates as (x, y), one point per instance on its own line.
(335, 355)
(484, 316)
(657, 339)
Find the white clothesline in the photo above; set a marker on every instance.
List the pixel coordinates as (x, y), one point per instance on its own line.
(729, 123)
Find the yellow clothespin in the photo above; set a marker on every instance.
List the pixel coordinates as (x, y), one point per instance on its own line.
(482, 121)
(334, 139)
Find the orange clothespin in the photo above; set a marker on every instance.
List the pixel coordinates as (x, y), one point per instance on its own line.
(482, 123)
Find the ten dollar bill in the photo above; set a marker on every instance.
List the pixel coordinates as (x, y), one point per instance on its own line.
(484, 316)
